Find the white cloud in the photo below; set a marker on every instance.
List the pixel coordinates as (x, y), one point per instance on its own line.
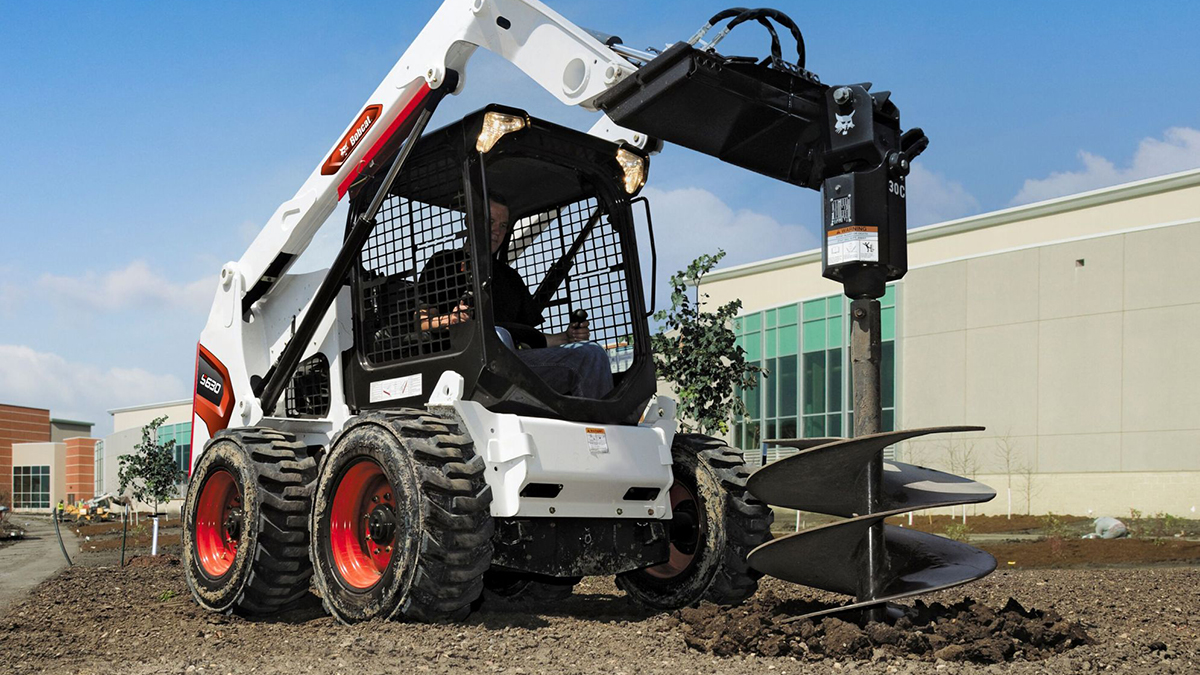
(134, 286)
(11, 295)
(1178, 150)
(933, 198)
(77, 390)
(692, 221)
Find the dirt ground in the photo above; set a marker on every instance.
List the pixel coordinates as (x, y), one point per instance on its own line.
(102, 619)
(99, 618)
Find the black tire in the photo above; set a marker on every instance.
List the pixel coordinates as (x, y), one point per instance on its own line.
(438, 527)
(523, 587)
(711, 536)
(270, 477)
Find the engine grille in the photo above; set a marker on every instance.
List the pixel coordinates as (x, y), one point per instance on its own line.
(308, 394)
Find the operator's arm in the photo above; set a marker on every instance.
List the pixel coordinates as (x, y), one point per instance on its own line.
(430, 320)
(443, 289)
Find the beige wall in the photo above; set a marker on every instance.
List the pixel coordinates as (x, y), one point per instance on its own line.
(53, 455)
(177, 412)
(1143, 204)
(1083, 367)
(1067, 328)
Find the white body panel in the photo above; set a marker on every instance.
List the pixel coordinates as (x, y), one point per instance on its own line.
(595, 464)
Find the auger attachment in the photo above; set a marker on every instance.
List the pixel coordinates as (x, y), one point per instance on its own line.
(832, 476)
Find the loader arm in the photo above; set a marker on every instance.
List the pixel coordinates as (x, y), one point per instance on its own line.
(561, 57)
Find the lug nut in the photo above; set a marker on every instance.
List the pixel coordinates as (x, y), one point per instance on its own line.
(387, 496)
(375, 499)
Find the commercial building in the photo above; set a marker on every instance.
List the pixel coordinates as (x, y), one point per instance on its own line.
(127, 434)
(43, 460)
(1066, 327)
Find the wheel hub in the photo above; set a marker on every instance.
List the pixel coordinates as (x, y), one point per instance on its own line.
(233, 524)
(685, 528)
(686, 533)
(381, 524)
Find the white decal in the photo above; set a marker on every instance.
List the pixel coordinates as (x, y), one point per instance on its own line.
(398, 387)
(844, 123)
(597, 441)
(852, 244)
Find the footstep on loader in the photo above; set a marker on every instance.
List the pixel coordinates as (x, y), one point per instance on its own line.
(350, 439)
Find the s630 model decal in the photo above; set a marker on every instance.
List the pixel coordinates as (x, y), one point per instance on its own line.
(357, 132)
(212, 400)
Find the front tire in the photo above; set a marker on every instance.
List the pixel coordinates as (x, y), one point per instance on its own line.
(715, 524)
(401, 520)
(245, 534)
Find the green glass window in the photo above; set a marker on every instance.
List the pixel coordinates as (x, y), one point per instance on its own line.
(814, 336)
(808, 389)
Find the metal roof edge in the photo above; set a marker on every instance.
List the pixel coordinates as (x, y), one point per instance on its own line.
(148, 406)
(74, 422)
(1081, 200)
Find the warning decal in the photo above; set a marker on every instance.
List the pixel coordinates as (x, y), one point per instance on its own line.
(597, 440)
(400, 387)
(857, 243)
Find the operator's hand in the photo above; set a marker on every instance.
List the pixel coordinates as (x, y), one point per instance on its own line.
(578, 332)
(459, 314)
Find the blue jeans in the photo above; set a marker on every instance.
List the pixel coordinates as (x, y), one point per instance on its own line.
(577, 369)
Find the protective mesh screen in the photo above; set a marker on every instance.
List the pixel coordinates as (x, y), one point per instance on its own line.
(595, 282)
(308, 393)
(398, 285)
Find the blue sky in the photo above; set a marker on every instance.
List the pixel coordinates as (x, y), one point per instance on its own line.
(144, 144)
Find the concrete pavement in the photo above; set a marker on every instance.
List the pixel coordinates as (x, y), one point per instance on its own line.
(28, 561)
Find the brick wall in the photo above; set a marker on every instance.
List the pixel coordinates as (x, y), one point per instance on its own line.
(19, 424)
(81, 467)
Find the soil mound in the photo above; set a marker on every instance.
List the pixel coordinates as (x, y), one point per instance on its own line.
(162, 560)
(964, 631)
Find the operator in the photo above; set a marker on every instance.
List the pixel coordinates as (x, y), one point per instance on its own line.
(565, 361)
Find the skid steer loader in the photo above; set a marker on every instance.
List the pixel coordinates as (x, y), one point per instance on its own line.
(400, 463)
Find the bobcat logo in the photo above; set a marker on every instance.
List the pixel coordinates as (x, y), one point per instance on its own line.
(844, 123)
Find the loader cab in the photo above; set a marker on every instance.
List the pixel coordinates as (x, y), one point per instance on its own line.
(571, 240)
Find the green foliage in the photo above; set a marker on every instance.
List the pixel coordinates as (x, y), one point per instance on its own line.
(150, 471)
(696, 351)
(1055, 527)
(165, 596)
(957, 531)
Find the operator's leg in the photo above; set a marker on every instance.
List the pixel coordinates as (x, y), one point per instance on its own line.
(578, 369)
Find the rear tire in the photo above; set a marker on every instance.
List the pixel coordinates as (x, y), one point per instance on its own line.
(715, 524)
(401, 520)
(245, 534)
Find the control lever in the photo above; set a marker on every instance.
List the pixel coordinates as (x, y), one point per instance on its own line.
(578, 317)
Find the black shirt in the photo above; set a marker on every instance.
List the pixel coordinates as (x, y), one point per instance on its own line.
(446, 280)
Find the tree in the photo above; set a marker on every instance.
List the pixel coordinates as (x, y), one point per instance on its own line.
(1008, 455)
(151, 470)
(696, 351)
